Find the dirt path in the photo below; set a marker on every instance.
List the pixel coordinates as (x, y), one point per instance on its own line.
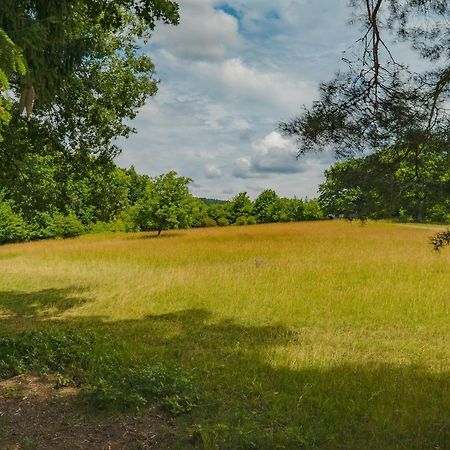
(34, 415)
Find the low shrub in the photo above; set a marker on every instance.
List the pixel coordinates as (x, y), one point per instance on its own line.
(209, 222)
(223, 222)
(95, 364)
(241, 220)
(441, 240)
(65, 226)
(13, 227)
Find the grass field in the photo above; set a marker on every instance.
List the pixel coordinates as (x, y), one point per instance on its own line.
(326, 335)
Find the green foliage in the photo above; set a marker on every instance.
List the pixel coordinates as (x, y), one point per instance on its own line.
(218, 211)
(312, 210)
(268, 207)
(95, 364)
(166, 204)
(11, 62)
(240, 206)
(65, 226)
(58, 37)
(223, 222)
(212, 201)
(241, 220)
(13, 227)
(383, 185)
(209, 222)
(198, 212)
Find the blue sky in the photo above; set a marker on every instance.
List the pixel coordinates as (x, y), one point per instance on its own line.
(230, 72)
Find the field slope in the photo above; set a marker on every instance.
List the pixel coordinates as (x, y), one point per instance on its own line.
(309, 335)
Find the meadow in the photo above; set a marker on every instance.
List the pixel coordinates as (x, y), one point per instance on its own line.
(321, 335)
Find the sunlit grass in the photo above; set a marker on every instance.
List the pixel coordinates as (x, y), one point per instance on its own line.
(322, 335)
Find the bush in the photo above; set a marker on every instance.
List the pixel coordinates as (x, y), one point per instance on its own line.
(251, 220)
(312, 210)
(95, 364)
(241, 220)
(223, 222)
(13, 227)
(65, 226)
(209, 222)
(441, 240)
(438, 214)
(115, 226)
(98, 227)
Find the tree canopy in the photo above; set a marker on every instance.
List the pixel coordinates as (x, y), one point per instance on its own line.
(78, 66)
(380, 102)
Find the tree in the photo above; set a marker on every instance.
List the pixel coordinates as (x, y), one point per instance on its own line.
(378, 102)
(220, 213)
(11, 62)
(268, 207)
(84, 69)
(382, 186)
(293, 210)
(58, 36)
(167, 204)
(240, 206)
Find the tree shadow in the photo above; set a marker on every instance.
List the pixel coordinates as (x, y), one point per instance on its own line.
(248, 401)
(43, 303)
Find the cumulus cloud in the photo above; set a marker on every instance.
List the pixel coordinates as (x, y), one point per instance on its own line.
(242, 81)
(229, 73)
(204, 33)
(274, 154)
(211, 171)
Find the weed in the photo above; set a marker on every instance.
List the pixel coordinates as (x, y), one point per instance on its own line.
(106, 380)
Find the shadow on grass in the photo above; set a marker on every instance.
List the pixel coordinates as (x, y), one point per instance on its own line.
(36, 304)
(163, 235)
(248, 402)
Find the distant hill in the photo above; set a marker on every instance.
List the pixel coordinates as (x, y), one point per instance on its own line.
(212, 201)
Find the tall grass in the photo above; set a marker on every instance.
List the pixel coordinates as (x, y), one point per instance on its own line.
(314, 335)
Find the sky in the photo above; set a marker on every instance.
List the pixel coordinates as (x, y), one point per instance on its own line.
(229, 74)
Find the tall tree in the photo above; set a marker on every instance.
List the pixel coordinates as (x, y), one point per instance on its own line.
(57, 36)
(380, 102)
(167, 204)
(11, 62)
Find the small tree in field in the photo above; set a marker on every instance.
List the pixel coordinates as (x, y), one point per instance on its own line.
(166, 204)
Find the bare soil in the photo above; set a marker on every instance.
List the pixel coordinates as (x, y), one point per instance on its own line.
(36, 415)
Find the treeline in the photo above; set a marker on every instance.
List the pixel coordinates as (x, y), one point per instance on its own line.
(390, 184)
(48, 196)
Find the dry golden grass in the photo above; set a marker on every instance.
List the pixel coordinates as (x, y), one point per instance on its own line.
(327, 335)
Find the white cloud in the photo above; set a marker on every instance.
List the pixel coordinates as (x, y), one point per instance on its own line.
(226, 82)
(212, 171)
(249, 84)
(274, 154)
(204, 33)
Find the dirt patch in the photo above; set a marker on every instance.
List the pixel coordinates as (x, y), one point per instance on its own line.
(35, 415)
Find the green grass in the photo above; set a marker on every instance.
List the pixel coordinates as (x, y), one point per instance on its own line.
(311, 335)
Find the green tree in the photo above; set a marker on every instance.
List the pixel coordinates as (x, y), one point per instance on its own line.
(268, 207)
(220, 213)
(240, 206)
(13, 227)
(312, 210)
(11, 62)
(57, 37)
(167, 204)
(136, 185)
(382, 185)
(290, 209)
